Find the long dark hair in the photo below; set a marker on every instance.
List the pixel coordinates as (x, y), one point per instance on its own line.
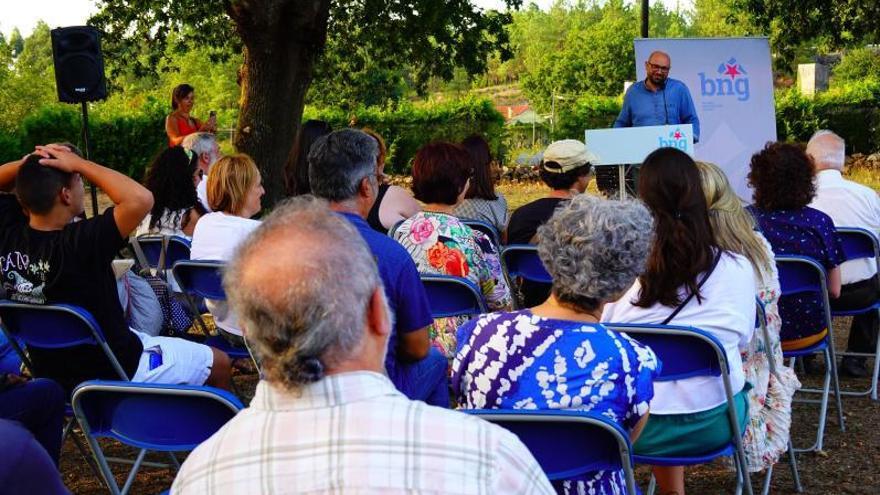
(170, 179)
(297, 172)
(179, 92)
(684, 247)
(482, 186)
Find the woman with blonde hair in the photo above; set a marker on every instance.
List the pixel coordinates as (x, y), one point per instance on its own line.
(234, 191)
(767, 432)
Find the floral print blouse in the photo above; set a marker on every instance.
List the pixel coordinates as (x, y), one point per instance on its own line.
(441, 244)
(519, 360)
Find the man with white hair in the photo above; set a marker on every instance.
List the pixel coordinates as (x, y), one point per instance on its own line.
(203, 144)
(850, 205)
(326, 419)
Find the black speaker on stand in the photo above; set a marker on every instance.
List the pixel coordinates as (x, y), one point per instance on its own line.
(79, 76)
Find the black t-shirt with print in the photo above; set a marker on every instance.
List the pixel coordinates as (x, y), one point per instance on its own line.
(68, 266)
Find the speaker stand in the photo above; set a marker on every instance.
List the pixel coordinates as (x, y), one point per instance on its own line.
(85, 141)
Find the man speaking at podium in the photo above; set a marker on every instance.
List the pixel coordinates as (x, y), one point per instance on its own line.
(658, 100)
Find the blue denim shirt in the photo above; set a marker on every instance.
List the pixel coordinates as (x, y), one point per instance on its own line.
(643, 107)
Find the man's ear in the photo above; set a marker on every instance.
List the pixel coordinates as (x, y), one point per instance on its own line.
(378, 319)
(65, 195)
(365, 188)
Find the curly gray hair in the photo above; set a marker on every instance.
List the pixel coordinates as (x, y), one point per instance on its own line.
(301, 285)
(595, 248)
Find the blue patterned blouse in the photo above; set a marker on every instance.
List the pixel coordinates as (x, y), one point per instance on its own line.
(518, 360)
(804, 232)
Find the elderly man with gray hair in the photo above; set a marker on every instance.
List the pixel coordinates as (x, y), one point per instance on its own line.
(342, 170)
(326, 418)
(850, 205)
(204, 145)
(557, 355)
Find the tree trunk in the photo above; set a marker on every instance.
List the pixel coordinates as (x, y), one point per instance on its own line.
(282, 40)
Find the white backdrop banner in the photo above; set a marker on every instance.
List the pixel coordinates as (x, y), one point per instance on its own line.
(731, 82)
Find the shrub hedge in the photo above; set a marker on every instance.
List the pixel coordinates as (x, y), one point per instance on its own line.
(127, 139)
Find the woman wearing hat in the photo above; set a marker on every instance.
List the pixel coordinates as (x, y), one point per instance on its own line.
(566, 169)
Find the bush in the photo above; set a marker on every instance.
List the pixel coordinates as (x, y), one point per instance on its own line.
(857, 65)
(123, 141)
(408, 126)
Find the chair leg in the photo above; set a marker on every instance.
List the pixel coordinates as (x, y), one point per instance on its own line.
(836, 382)
(134, 469)
(792, 463)
(90, 460)
(652, 485)
(174, 461)
(768, 476)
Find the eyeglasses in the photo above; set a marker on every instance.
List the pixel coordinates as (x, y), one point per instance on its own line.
(660, 68)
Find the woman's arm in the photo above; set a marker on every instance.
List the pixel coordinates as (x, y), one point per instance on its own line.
(834, 282)
(189, 223)
(637, 429)
(397, 205)
(173, 131)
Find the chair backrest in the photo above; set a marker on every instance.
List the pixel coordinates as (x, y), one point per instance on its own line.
(453, 296)
(521, 260)
(859, 243)
(53, 326)
(394, 228)
(201, 278)
(149, 416)
(178, 248)
(485, 228)
(685, 352)
(801, 274)
(568, 443)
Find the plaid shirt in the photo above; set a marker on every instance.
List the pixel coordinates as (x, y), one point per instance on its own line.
(354, 433)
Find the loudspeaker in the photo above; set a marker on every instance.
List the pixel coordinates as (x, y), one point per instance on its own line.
(79, 64)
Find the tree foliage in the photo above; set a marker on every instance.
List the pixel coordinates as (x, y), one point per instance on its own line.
(831, 23)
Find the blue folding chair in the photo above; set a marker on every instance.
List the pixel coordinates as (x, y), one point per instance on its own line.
(485, 228)
(522, 261)
(55, 326)
(176, 248)
(453, 296)
(688, 352)
(204, 279)
(861, 244)
(149, 417)
(568, 444)
(761, 326)
(802, 275)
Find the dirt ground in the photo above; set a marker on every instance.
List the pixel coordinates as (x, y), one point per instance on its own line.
(847, 465)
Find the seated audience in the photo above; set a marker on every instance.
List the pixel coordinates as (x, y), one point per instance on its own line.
(393, 204)
(49, 260)
(342, 170)
(325, 418)
(482, 201)
(566, 168)
(38, 405)
(594, 249)
(25, 467)
(437, 240)
(849, 205)
(172, 178)
(782, 178)
(689, 280)
(766, 435)
(204, 145)
(234, 192)
(180, 123)
(296, 175)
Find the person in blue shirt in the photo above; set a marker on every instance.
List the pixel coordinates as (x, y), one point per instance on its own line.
(342, 170)
(658, 100)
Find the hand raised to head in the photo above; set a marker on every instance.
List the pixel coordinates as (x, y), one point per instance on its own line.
(60, 157)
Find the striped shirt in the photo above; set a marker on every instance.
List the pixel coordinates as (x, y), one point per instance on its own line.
(354, 433)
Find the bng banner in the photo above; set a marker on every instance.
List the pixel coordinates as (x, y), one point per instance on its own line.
(731, 83)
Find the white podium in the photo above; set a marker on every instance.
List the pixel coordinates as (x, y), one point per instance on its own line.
(625, 146)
